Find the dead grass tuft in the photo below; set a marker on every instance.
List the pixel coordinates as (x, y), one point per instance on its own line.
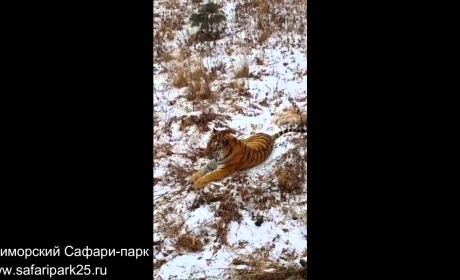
(259, 60)
(172, 4)
(166, 57)
(204, 119)
(229, 51)
(291, 170)
(177, 74)
(255, 198)
(158, 264)
(205, 198)
(227, 211)
(188, 243)
(191, 74)
(201, 121)
(264, 102)
(271, 16)
(241, 88)
(257, 269)
(162, 150)
(170, 35)
(264, 36)
(156, 181)
(242, 70)
(178, 174)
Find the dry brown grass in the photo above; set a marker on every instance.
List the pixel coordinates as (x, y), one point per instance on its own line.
(265, 269)
(242, 70)
(229, 51)
(243, 90)
(165, 28)
(162, 150)
(239, 87)
(264, 36)
(259, 60)
(171, 228)
(255, 198)
(178, 174)
(271, 16)
(226, 212)
(177, 74)
(264, 25)
(264, 102)
(172, 4)
(193, 75)
(234, 84)
(170, 35)
(156, 181)
(291, 170)
(202, 121)
(290, 273)
(188, 243)
(167, 23)
(166, 57)
(158, 264)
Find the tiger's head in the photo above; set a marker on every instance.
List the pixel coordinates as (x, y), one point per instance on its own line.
(218, 144)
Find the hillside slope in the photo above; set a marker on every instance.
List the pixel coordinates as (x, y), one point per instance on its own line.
(253, 79)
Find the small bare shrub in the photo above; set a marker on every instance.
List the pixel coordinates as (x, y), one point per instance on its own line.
(264, 36)
(227, 212)
(242, 70)
(191, 74)
(291, 170)
(188, 243)
(257, 268)
(259, 60)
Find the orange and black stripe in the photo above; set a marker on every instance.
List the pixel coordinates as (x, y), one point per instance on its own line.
(249, 152)
(277, 135)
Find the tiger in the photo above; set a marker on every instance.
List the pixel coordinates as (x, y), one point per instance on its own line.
(229, 155)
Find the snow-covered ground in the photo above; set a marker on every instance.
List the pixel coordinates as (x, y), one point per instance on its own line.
(277, 81)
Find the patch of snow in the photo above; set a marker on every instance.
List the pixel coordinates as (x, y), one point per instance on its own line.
(281, 80)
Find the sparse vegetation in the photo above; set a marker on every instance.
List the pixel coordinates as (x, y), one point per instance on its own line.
(242, 70)
(264, 36)
(269, 270)
(210, 19)
(189, 243)
(239, 66)
(291, 171)
(193, 75)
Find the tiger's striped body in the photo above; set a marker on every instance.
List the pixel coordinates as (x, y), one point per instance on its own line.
(229, 154)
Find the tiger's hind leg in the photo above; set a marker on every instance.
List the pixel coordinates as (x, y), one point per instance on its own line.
(212, 176)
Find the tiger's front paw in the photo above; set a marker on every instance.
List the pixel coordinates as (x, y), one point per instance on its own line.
(200, 183)
(192, 178)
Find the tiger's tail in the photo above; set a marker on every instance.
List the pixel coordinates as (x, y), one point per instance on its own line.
(287, 130)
